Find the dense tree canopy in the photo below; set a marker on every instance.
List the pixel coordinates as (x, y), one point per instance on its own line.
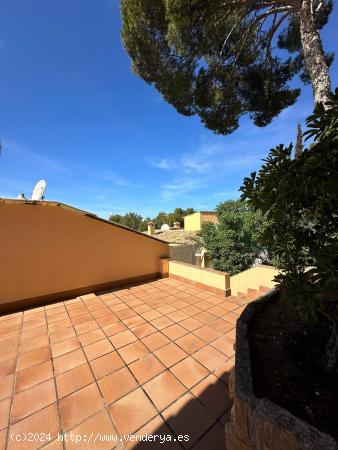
(170, 218)
(299, 196)
(130, 220)
(137, 222)
(216, 59)
(232, 244)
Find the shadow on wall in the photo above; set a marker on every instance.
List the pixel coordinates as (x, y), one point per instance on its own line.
(201, 414)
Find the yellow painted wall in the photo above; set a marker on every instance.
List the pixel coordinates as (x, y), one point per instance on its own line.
(193, 222)
(209, 277)
(46, 248)
(253, 278)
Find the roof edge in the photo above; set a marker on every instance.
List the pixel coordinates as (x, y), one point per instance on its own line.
(78, 211)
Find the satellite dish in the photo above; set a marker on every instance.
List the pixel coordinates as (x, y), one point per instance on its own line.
(165, 227)
(39, 190)
(21, 196)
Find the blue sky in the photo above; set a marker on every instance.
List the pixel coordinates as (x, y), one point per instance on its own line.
(74, 114)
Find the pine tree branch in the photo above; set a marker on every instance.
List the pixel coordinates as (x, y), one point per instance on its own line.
(272, 31)
(272, 11)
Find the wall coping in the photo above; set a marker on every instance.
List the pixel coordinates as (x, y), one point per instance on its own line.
(263, 266)
(204, 269)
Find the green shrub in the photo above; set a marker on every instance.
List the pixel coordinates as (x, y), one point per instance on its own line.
(300, 199)
(232, 244)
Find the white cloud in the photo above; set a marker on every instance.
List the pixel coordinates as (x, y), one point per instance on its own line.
(30, 157)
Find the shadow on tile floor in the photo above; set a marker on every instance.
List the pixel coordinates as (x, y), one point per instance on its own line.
(201, 417)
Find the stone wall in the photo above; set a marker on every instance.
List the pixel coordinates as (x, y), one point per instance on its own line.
(258, 424)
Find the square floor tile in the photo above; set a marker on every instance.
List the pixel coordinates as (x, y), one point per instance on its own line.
(224, 370)
(191, 324)
(157, 428)
(166, 309)
(117, 384)
(221, 325)
(205, 317)
(106, 364)
(64, 347)
(214, 394)
(207, 333)
(35, 357)
(177, 316)
(69, 361)
(7, 367)
(83, 323)
(209, 357)
(5, 406)
(85, 327)
(91, 337)
(97, 349)
(131, 412)
(162, 322)
(231, 317)
(190, 343)
(155, 341)
(142, 308)
(121, 339)
(151, 315)
(29, 334)
(133, 351)
(146, 368)
(33, 375)
(107, 320)
(174, 332)
(6, 386)
(97, 425)
(43, 422)
(78, 406)
(62, 335)
(189, 372)
(164, 389)
(225, 345)
(73, 380)
(33, 344)
(32, 400)
(114, 328)
(133, 321)
(144, 330)
(170, 354)
(191, 310)
(187, 416)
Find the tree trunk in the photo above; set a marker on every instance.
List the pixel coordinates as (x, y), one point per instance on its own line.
(314, 55)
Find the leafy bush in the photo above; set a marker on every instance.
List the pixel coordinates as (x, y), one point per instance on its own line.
(232, 244)
(300, 199)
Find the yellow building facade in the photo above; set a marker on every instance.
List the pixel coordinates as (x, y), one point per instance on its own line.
(193, 222)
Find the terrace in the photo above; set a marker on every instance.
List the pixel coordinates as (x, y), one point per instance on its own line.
(151, 357)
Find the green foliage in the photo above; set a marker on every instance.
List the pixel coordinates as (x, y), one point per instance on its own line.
(215, 58)
(130, 220)
(176, 216)
(232, 244)
(300, 199)
(137, 222)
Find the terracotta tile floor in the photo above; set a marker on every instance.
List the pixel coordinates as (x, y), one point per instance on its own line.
(152, 358)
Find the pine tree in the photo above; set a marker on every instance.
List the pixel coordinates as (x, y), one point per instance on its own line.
(216, 58)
